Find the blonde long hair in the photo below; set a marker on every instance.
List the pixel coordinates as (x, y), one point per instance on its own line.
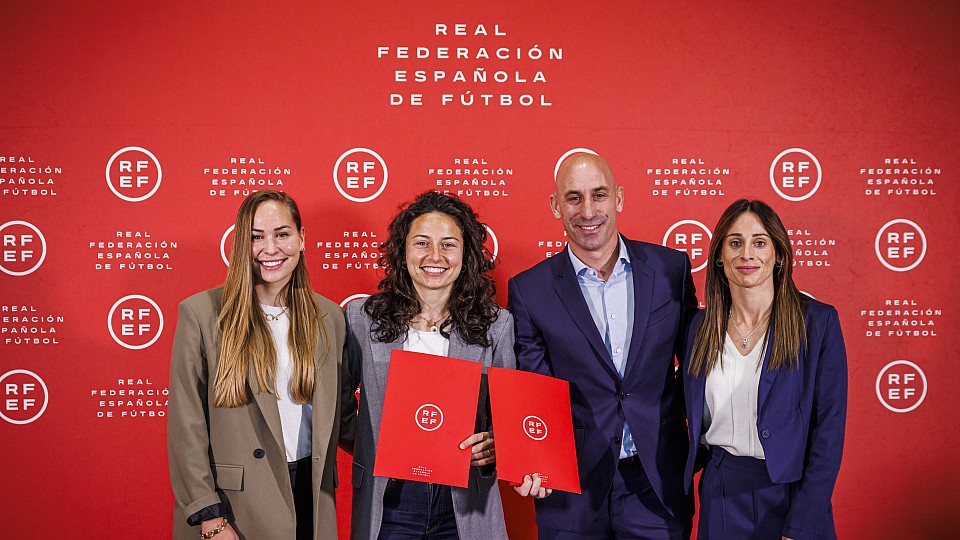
(245, 339)
(789, 306)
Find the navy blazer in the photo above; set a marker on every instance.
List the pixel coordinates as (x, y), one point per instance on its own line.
(556, 336)
(801, 417)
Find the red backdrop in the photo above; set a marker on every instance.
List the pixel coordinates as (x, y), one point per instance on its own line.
(130, 132)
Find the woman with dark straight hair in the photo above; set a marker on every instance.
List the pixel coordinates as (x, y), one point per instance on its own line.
(437, 297)
(257, 405)
(765, 384)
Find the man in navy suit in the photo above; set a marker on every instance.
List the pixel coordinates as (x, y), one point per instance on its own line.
(606, 314)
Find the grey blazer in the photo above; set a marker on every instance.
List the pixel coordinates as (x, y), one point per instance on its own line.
(478, 509)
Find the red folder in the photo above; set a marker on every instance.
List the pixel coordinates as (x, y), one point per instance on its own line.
(429, 408)
(533, 428)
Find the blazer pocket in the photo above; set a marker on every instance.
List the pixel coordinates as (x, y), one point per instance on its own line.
(662, 313)
(358, 471)
(229, 477)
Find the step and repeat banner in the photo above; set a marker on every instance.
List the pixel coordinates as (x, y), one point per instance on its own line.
(130, 132)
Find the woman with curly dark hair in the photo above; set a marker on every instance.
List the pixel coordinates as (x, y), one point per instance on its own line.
(437, 297)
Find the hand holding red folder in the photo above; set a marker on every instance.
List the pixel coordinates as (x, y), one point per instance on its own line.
(534, 427)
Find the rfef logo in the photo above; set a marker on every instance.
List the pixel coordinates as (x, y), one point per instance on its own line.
(360, 175)
(535, 428)
(135, 322)
(691, 237)
(226, 245)
(567, 154)
(351, 298)
(23, 248)
(25, 396)
(795, 174)
(134, 174)
(900, 245)
(492, 244)
(901, 386)
(429, 417)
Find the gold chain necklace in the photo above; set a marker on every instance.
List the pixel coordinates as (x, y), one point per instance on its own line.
(271, 317)
(433, 325)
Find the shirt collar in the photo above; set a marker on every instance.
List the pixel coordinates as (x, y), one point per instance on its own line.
(623, 259)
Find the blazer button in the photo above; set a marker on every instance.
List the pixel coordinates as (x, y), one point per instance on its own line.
(259, 453)
(623, 396)
(616, 440)
(765, 434)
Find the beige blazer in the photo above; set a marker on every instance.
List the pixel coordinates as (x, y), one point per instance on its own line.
(236, 455)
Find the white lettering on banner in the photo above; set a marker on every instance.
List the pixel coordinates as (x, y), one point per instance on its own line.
(905, 178)
(900, 245)
(354, 246)
(901, 317)
(473, 69)
(471, 177)
(553, 246)
(810, 250)
(133, 251)
(131, 397)
(26, 325)
(901, 386)
(25, 396)
(252, 175)
(795, 174)
(24, 177)
(693, 178)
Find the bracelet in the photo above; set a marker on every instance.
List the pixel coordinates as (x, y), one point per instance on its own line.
(214, 531)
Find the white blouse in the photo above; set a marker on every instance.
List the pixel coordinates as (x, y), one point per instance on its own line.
(426, 342)
(730, 402)
(295, 418)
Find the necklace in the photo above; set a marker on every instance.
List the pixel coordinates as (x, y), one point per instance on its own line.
(271, 317)
(744, 338)
(433, 325)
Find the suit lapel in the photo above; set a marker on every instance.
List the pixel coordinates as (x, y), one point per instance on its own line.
(463, 350)
(767, 377)
(643, 281)
(565, 283)
(267, 403)
(381, 360)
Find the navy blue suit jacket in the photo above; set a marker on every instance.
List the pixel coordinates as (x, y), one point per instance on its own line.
(556, 336)
(801, 417)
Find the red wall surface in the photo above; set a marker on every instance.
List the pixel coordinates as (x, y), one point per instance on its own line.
(843, 116)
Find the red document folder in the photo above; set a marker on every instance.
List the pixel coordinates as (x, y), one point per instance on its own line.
(429, 408)
(533, 428)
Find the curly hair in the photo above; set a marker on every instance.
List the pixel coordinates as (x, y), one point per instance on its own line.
(472, 306)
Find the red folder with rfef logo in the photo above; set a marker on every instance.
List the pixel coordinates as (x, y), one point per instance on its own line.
(429, 408)
(533, 428)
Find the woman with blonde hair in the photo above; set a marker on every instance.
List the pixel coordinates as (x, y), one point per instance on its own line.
(765, 384)
(256, 401)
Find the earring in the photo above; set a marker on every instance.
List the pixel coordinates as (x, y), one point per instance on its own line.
(779, 264)
(719, 263)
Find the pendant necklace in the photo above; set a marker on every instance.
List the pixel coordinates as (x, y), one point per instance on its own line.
(271, 317)
(434, 325)
(743, 339)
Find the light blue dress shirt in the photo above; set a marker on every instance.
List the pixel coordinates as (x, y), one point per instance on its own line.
(611, 304)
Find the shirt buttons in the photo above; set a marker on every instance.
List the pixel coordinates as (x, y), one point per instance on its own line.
(613, 315)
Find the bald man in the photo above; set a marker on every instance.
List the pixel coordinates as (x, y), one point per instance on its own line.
(606, 314)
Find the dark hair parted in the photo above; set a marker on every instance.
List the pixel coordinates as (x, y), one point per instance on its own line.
(787, 314)
(472, 306)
